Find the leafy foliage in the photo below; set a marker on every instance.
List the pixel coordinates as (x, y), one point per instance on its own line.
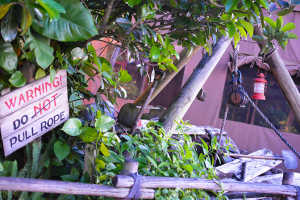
(57, 34)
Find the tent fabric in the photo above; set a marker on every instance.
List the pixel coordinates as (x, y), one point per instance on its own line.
(248, 137)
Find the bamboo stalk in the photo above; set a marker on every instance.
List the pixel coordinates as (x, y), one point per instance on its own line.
(198, 183)
(283, 77)
(255, 157)
(61, 187)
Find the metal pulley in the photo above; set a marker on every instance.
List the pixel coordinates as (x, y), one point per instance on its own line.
(236, 96)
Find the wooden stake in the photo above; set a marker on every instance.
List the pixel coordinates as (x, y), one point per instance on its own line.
(288, 179)
(192, 87)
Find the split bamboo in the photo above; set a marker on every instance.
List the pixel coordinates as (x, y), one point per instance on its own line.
(61, 187)
(198, 183)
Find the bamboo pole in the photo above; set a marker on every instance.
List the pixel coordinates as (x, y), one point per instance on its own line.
(283, 77)
(194, 84)
(198, 183)
(61, 187)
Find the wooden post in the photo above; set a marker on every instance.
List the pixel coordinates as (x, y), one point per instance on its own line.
(288, 179)
(192, 87)
(130, 167)
(283, 78)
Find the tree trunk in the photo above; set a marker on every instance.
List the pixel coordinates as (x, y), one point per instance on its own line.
(192, 87)
(283, 78)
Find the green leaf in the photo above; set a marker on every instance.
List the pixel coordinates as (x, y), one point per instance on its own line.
(52, 7)
(188, 168)
(61, 150)
(104, 123)
(264, 3)
(40, 73)
(285, 11)
(88, 134)
(292, 36)
(42, 50)
(124, 76)
(72, 127)
(133, 3)
(279, 22)
(231, 29)
(100, 164)
(230, 5)
(104, 150)
(52, 74)
(270, 21)
(236, 38)
(242, 31)
(154, 53)
(153, 162)
(75, 25)
(26, 20)
(17, 79)
(288, 27)
(4, 9)
(248, 26)
(9, 26)
(8, 57)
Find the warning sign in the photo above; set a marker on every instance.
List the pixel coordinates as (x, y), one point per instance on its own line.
(31, 111)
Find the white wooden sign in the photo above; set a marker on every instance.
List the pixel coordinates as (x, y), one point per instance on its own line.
(31, 111)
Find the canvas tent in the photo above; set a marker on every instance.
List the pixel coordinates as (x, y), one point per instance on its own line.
(250, 136)
(244, 125)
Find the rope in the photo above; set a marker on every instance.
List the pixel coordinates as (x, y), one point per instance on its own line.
(270, 123)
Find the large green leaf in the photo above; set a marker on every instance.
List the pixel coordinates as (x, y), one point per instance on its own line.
(124, 76)
(88, 134)
(52, 7)
(104, 123)
(74, 25)
(270, 21)
(42, 50)
(72, 127)
(9, 26)
(61, 150)
(8, 57)
(17, 79)
(248, 26)
(288, 27)
(4, 9)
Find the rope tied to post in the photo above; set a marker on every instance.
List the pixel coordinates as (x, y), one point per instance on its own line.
(135, 191)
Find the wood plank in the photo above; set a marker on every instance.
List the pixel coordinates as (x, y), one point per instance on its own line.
(254, 167)
(276, 179)
(61, 187)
